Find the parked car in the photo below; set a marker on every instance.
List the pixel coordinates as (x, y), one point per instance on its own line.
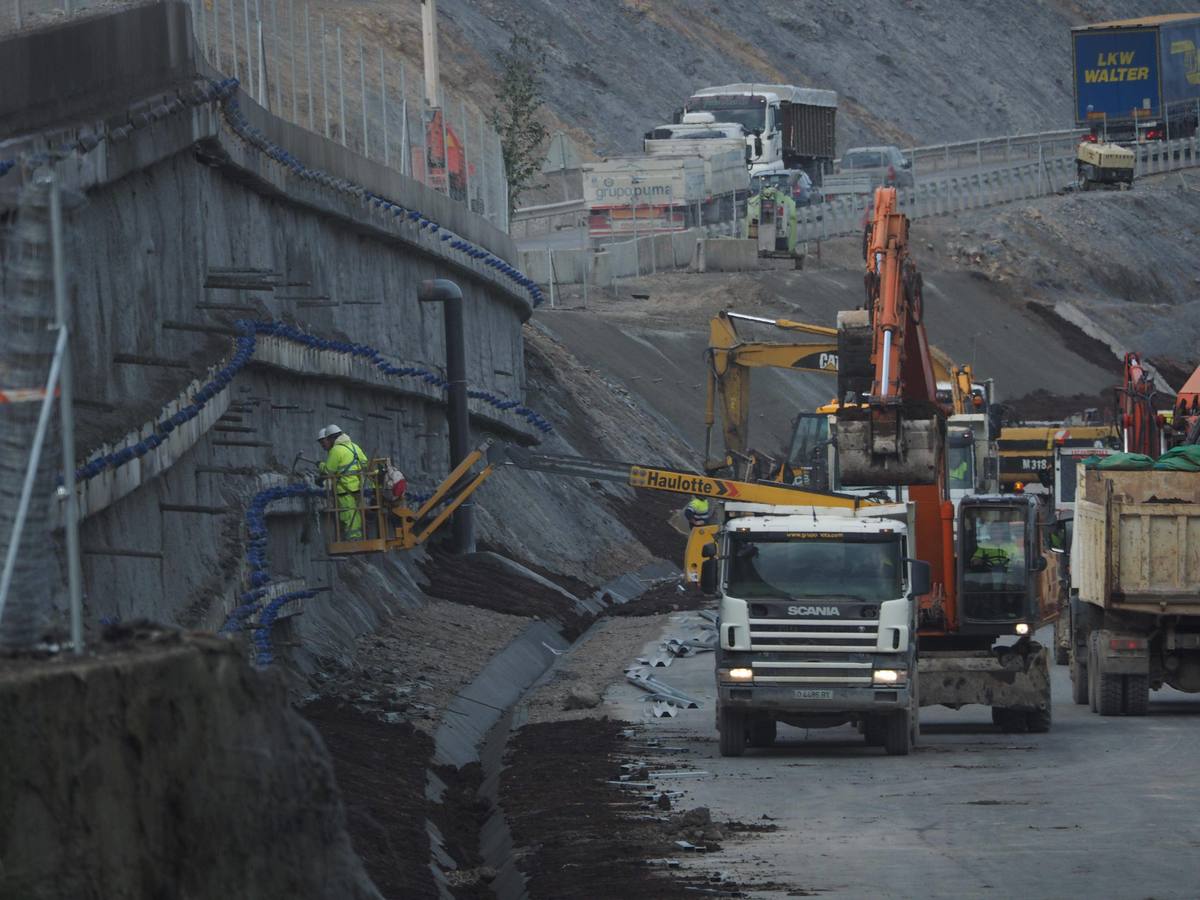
(886, 165)
(794, 182)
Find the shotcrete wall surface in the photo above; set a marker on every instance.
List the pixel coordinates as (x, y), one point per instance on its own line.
(179, 225)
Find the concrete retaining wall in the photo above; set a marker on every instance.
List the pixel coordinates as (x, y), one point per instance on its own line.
(165, 209)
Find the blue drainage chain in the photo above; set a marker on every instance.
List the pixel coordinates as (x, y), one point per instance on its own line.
(193, 95)
(260, 574)
(245, 345)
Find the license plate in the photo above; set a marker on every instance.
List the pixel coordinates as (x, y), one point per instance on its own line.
(813, 694)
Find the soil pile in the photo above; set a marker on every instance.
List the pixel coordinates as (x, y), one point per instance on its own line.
(190, 776)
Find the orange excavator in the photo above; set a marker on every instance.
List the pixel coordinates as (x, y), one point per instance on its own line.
(890, 430)
(1185, 425)
(1142, 426)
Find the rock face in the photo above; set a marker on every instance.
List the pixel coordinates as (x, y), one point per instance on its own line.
(175, 770)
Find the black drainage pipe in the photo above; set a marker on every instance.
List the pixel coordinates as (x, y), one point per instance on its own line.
(446, 292)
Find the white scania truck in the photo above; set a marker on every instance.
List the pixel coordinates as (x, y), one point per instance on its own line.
(817, 623)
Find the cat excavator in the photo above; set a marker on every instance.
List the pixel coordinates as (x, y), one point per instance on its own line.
(890, 430)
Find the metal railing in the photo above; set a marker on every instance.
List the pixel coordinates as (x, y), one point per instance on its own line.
(974, 190)
(300, 62)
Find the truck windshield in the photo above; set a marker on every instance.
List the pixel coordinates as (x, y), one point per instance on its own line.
(993, 542)
(751, 115)
(960, 462)
(864, 567)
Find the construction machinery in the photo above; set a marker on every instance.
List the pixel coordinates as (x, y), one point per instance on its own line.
(987, 559)
(730, 360)
(1104, 163)
(1135, 583)
(390, 523)
(810, 459)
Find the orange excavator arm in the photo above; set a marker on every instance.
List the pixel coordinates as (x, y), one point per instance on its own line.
(895, 434)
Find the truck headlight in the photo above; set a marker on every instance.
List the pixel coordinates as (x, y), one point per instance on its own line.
(1022, 628)
(741, 673)
(889, 676)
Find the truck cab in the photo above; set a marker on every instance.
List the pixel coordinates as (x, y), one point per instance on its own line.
(817, 624)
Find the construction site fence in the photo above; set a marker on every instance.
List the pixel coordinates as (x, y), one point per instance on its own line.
(303, 62)
(983, 152)
(648, 254)
(934, 196)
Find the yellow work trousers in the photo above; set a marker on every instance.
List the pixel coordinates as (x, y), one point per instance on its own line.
(350, 516)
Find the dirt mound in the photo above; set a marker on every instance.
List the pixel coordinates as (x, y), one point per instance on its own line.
(576, 835)
(662, 598)
(488, 584)
(379, 767)
(165, 767)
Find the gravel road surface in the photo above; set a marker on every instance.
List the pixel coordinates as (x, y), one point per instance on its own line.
(1098, 807)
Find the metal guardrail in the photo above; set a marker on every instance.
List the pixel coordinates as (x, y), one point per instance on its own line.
(1008, 148)
(974, 190)
(548, 217)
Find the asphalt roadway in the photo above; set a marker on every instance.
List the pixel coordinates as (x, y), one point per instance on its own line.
(1098, 807)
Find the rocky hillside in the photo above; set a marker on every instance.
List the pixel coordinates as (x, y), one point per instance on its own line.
(907, 71)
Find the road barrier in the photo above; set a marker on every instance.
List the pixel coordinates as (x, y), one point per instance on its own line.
(965, 191)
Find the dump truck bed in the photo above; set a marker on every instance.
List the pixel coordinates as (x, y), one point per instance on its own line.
(1136, 543)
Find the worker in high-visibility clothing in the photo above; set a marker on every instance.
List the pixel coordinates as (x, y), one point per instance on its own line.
(699, 511)
(344, 465)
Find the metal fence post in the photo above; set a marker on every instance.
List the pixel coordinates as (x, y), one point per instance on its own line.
(216, 30)
(249, 55)
(18, 12)
(278, 58)
(387, 159)
(292, 58)
(233, 38)
(341, 88)
(324, 78)
(308, 65)
(66, 409)
(202, 30)
(362, 82)
(405, 155)
(462, 121)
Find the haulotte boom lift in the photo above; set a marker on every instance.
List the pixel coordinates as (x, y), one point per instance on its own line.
(391, 523)
(890, 430)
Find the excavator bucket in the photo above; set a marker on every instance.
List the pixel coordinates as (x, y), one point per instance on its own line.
(889, 445)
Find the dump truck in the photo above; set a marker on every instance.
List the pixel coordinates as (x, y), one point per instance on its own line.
(1135, 584)
(817, 623)
(787, 127)
(1138, 79)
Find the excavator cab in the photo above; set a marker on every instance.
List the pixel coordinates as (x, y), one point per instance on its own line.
(999, 561)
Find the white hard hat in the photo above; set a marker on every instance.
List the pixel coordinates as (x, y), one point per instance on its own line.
(328, 431)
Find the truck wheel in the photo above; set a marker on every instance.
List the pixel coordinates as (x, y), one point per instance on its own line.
(762, 732)
(732, 728)
(897, 738)
(1037, 721)
(875, 730)
(1011, 721)
(1110, 690)
(1079, 678)
(1137, 694)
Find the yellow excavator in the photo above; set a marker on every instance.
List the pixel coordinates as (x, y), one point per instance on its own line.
(806, 462)
(393, 524)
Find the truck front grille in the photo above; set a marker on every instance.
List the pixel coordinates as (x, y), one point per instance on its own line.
(823, 648)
